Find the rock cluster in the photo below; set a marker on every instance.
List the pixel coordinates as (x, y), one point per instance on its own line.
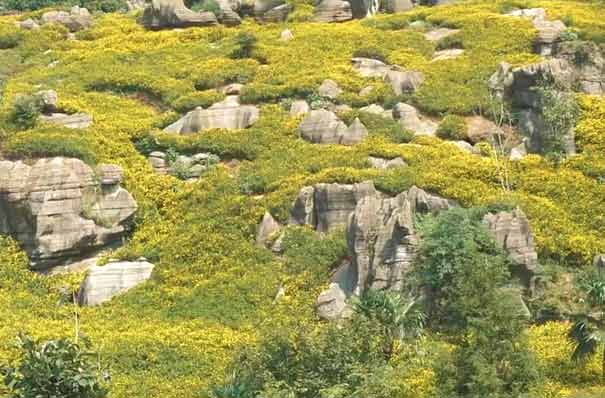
(410, 119)
(271, 11)
(186, 167)
(174, 14)
(102, 283)
(76, 19)
(549, 32)
(74, 121)
(324, 127)
(227, 114)
(381, 163)
(60, 208)
(401, 81)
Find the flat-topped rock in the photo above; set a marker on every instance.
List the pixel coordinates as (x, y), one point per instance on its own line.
(75, 121)
(440, 33)
(384, 164)
(161, 14)
(60, 208)
(227, 114)
(404, 81)
(411, 120)
(77, 19)
(333, 11)
(445, 55)
(102, 283)
(369, 67)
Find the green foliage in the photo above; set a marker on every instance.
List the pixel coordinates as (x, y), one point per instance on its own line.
(245, 43)
(380, 126)
(49, 143)
(452, 127)
(26, 110)
(10, 37)
(56, 368)
(205, 6)
(91, 5)
(449, 42)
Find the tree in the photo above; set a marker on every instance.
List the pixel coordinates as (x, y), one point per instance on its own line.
(397, 318)
(56, 368)
(588, 332)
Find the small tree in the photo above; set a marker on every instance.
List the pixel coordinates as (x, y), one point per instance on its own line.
(397, 318)
(56, 368)
(588, 332)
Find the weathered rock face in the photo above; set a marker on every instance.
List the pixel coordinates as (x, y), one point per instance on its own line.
(329, 89)
(382, 245)
(324, 127)
(404, 81)
(104, 282)
(173, 14)
(512, 233)
(410, 119)
(184, 167)
(444, 55)
(227, 114)
(333, 11)
(77, 19)
(276, 14)
(29, 24)
(325, 207)
(368, 67)
(481, 129)
(266, 229)
(393, 6)
(599, 261)
(60, 208)
(49, 99)
(299, 107)
(549, 32)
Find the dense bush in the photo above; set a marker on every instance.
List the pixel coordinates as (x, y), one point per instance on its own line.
(452, 127)
(380, 126)
(10, 37)
(245, 43)
(92, 5)
(49, 143)
(370, 52)
(26, 110)
(56, 368)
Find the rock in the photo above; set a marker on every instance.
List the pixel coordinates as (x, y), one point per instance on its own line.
(29, 24)
(228, 17)
(410, 119)
(532, 124)
(465, 147)
(599, 261)
(227, 114)
(447, 54)
(549, 33)
(232, 89)
(404, 81)
(325, 207)
(368, 67)
(533, 13)
(299, 107)
(331, 303)
(394, 6)
(364, 8)
(324, 127)
(329, 89)
(275, 15)
(158, 162)
(439, 34)
(518, 152)
(286, 35)
(266, 229)
(77, 19)
(75, 121)
(381, 237)
(173, 14)
(341, 108)
(511, 231)
(480, 129)
(333, 11)
(367, 90)
(135, 5)
(381, 163)
(262, 6)
(59, 208)
(105, 282)
(377, 110)
(49, 100)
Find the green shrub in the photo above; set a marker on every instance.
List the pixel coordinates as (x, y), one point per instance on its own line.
(449, 42)
(91, 5)
(197, 98)
(379, 125)
(49, 143)
(370, 52)
(245, 43)
(26, 111)
(56, 368)
(561, 112)
(10, 37)
(452, 127)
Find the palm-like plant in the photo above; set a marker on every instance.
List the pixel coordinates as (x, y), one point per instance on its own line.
(588, 333)
(398, 317)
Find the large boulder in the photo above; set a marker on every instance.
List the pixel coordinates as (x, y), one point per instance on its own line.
(60, 208)
(104, 282)
(74, 121)
(410, 119)
(324, 127)
(77, 19)
(173, 14)
(333, 11)
(394, 6)
(227, 114)
(325, 207)
(266, 229)
(369, 67)
(329, 89)
(404, 81)
(512, 232)
(331, 303)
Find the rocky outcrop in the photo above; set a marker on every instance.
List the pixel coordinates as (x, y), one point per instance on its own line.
(375, 109)
(329, 89)
(599, 261)
(325, 207)
(59, 208)
(77, 19)
(331, 303)
(227, 114)
(405, 81)
(324, 127)
(549, 32)
(102, 283)
(75, 121)
(394, 6)
(29, 24)
(333, 11)
(299, 107)
(385, 164)
(445, 55)
(272, 11)
(411, 120)
(369, 67)
(480, 129)
(440, 34)
(266, 229)
(512, 232)
(49, 100)
(162, 14)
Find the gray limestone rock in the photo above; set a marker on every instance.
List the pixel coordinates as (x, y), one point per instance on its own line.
(162, 14)
(324, 127)
(333, 11)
